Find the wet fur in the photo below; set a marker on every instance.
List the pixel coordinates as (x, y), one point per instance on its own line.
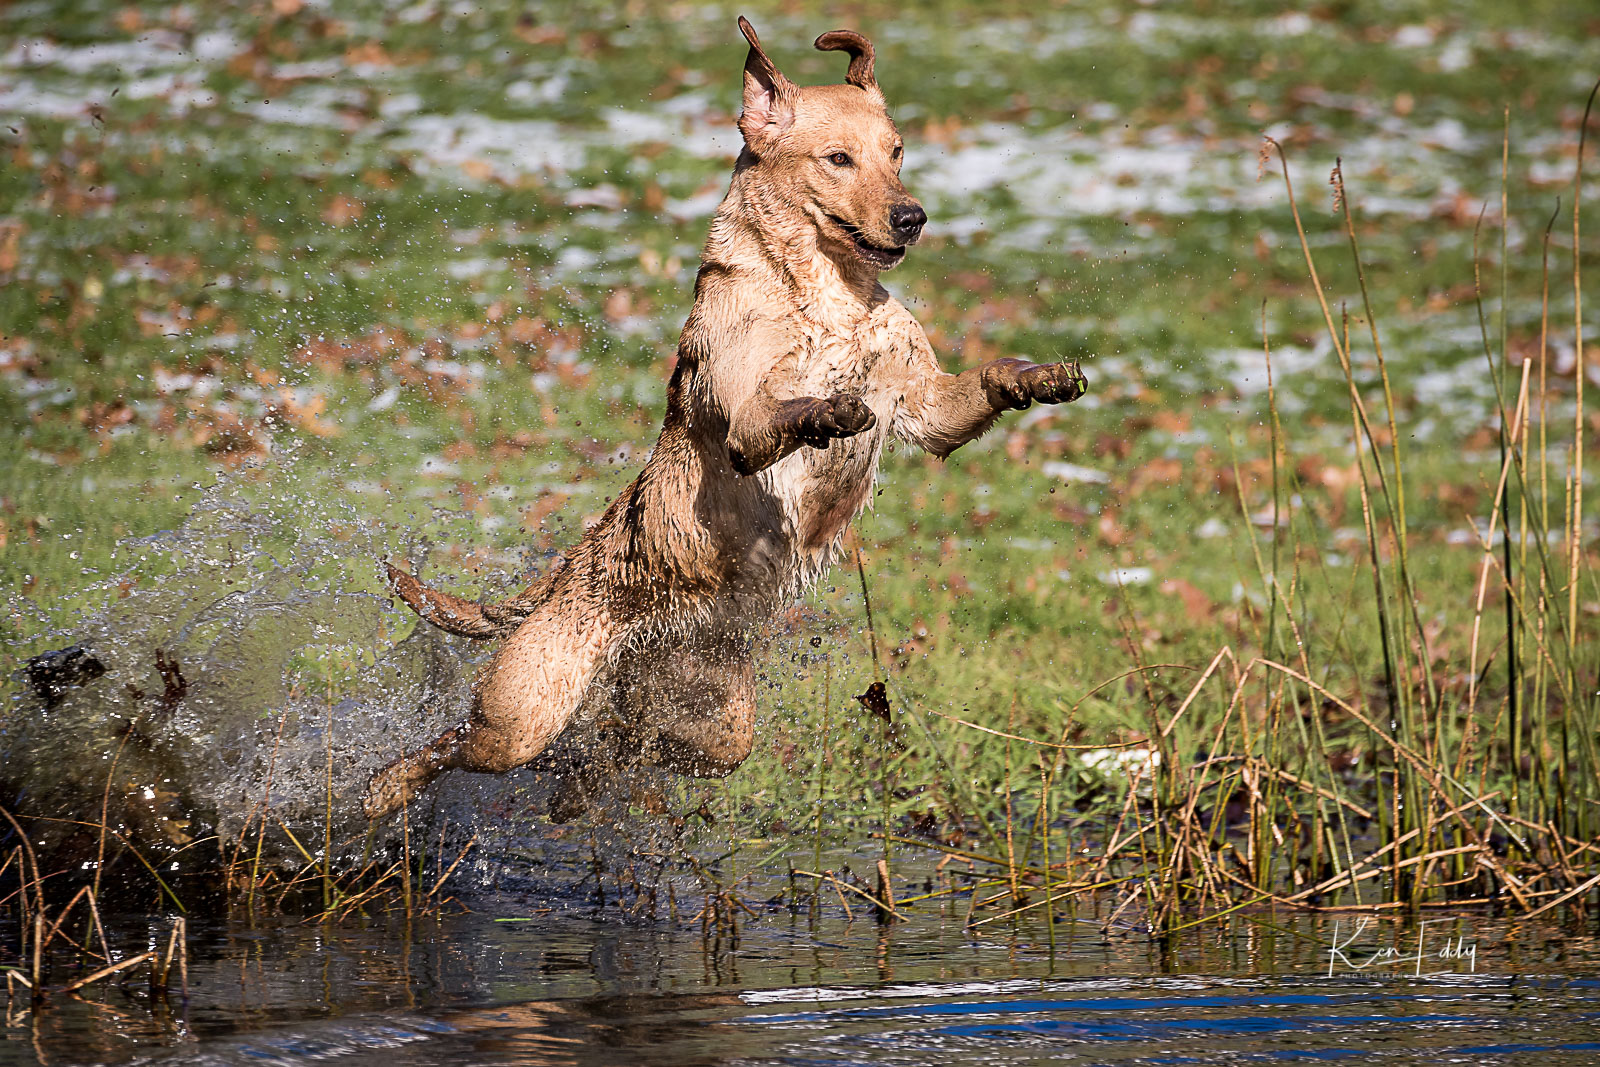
(794, 367)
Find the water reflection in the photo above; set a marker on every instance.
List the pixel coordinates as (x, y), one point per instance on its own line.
(575, 989)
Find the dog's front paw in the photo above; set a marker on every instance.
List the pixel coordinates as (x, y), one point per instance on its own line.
(1015, 383)
(1055, 383)
(841, 415)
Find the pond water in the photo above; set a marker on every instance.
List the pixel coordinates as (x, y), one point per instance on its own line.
(549, 980)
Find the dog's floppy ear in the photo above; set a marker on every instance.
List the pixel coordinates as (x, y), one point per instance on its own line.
(768, 95)
(860, 49)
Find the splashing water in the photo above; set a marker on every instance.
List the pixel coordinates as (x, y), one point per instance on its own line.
(193, 712)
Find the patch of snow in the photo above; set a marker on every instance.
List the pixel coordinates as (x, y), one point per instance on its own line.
(1072, 473)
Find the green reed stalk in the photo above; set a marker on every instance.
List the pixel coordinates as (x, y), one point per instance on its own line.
(1255, 545)
(327, 828)
(1507, 446)
(1409, 614)
(1324, 762)
(878, 675)
(266, 800)
(822, 772)
(1399, 814)
(1575, 498)
(1011, 848)
(1049, 884)
(1399, 694)
(1540, 681)
(1528, 697)
(1514, 590)
(1586, 817)
(1500, 508)
(1277, 533)
(1397, 507)
(405, 856)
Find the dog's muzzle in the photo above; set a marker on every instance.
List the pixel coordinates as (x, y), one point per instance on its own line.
(875, 254)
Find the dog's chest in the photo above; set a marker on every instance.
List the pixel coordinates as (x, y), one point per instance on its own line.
(835, 358)
(824, 488)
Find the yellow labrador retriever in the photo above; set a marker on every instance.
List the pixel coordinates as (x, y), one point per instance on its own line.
(793, 369)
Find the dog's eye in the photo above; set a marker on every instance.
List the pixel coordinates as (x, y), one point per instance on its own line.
(839, 159)
(896, 153)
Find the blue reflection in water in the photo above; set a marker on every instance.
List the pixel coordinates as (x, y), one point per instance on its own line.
(1188, 1030)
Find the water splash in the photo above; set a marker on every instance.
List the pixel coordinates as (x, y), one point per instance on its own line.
(200, 696)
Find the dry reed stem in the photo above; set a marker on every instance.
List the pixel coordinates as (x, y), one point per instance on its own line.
(1051, 896)
(1034, 740)
(351, 904)
(83, 891)
(1416, 760)
(37, 975)
(1255, 772)
(1577, 891)
(27, 849)
(1281, 776)
(1116, 832)
(1333, 883)
(1561, 679)
(106, 972)
(159, 976)
(262, 809)
(1575, 552)
(1133, 895)
(452, 868)
(832, 879)
(1223, 653)
(885, 893)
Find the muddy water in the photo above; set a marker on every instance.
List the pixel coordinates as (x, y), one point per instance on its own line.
(569, 984)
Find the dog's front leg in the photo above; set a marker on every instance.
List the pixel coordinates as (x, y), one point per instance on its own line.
(765, 430)
(941, 412)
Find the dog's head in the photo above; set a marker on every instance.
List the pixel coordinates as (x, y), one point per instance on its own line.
(831, 152)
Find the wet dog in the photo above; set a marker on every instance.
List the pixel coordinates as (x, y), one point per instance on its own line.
(794, 368)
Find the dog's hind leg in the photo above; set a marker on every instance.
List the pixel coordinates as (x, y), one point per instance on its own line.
(393, 787)
(694, 707)
(522, 699)
(676, 709)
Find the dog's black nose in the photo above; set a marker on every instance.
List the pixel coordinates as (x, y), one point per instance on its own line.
(907, 220)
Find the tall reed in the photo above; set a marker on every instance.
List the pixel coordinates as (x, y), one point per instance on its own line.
(1477, 787)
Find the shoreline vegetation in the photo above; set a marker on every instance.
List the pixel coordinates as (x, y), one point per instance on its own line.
(1301, 636)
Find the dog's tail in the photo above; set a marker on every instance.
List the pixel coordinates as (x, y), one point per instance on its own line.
(465, 618)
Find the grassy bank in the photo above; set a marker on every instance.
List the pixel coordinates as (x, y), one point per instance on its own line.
(387, 272)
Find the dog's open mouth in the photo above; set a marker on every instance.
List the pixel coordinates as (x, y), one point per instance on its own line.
(878, 256)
